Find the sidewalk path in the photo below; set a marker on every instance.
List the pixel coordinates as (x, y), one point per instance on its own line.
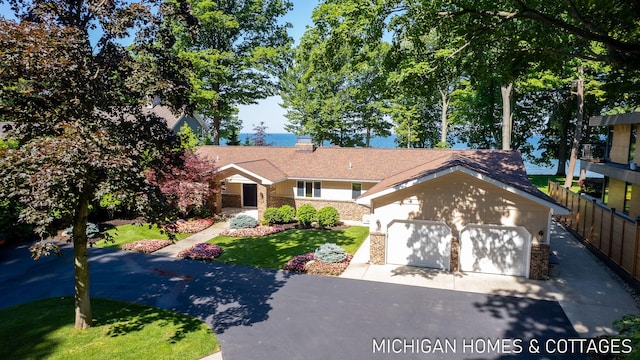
(197, 238)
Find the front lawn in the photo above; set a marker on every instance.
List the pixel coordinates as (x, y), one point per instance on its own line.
(43, 329)
(125, 234)
(272, 251)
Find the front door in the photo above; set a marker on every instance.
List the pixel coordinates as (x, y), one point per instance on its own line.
(249, 195)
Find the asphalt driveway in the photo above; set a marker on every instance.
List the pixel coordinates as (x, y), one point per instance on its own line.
(264, 314)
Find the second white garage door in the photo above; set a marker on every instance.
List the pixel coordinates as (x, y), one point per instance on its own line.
(495, 249)
(419, 243)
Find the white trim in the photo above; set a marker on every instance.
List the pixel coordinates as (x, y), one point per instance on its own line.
(263, 181)
(313, 190)
(336, 180)
(556, 209)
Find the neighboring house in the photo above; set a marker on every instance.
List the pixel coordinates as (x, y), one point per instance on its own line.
(616, 161)
(473, 210)
(176, 121)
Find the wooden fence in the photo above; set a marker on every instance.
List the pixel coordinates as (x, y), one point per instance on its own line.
(615, 235)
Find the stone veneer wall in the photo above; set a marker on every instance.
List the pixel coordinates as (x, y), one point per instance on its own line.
(539, 264)
(454, 260)
(348, 210)
(377, 248)
(231, 200)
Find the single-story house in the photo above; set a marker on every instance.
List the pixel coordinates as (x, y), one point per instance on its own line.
(467, 210)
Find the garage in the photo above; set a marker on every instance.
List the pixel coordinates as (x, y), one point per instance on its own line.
(495, 249)
(419, 243)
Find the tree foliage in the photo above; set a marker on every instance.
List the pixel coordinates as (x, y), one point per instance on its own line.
(186, 185)
(75, 105)
(237, 52)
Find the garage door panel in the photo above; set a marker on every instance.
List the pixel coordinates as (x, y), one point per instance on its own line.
(495, 249)
(419, 243)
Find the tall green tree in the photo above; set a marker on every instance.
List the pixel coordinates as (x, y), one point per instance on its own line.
(237, 54)
(74, 96)
(335, 90)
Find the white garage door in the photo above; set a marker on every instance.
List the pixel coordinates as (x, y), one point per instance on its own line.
(495, 249)
(419, 243)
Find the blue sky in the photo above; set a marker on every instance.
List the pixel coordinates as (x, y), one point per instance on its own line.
(267, 110)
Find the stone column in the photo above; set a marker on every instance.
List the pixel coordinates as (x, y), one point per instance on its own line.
(264, 199)
(539, 263)
(377, 248)
(215, 197)
(454, 262)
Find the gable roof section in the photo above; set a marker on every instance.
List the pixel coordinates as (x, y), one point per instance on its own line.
(503, 169)
(262, 170)
(171, 118)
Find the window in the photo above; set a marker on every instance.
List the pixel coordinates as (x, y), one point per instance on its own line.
(356, 190)
(309, 189)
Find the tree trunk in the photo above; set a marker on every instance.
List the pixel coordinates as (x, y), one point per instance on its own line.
(83, 317)
(562, 148)
(216, 129)
(577, 137)
(443, 117)
(507, 116)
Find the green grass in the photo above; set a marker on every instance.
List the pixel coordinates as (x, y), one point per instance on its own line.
(44, 329)
(274, 250)
(125, 234)
(541, 182)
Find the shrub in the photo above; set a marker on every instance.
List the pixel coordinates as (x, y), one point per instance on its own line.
(328, 216)
(272, 216)
(298, 263)
(286, 213)
(629, 328)
(92, 230)
(330, 253)
(306, 214)
(243, 222)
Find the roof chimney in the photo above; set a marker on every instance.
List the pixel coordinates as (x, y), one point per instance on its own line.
(305, 144)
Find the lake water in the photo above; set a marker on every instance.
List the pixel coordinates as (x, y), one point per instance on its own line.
(286, 139)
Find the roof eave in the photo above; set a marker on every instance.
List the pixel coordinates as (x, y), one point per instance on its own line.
(555, 208)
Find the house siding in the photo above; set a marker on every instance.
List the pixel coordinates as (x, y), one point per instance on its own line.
(459, 199)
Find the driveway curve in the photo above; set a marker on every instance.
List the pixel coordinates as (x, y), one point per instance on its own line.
(266, 314)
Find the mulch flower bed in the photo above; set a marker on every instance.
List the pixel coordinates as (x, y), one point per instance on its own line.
(253, 232)
(201, 251)
(146, 246)
(308, 264)
(192, 226)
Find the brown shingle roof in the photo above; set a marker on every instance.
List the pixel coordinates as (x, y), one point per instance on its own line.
(389, 167)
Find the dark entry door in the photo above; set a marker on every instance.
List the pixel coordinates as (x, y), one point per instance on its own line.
(249, 195)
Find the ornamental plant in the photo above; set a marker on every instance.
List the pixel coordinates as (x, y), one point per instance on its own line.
(201, 251)
(92, 230)
(286, 214)
(328, 216)
(306, 215)
(330, 253)
(299, 262)
(243, 222)
(272, 216)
